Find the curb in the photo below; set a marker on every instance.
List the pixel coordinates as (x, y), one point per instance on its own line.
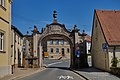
(79, 74)
(22, 76)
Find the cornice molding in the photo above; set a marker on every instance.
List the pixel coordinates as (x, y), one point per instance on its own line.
(4, 20)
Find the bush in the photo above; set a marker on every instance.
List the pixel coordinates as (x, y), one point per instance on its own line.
(114, 62)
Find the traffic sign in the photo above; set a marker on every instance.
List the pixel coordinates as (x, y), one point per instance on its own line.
(104, 46)
(78, 53)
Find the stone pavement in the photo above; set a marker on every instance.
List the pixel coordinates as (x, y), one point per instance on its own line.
(95, 74)
(22, 72)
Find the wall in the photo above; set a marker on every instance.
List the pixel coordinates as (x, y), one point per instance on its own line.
(5, 27)
(99, 57)
(117, 54)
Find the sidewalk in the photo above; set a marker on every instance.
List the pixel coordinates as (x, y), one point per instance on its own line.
(22, 72)
(95, 74)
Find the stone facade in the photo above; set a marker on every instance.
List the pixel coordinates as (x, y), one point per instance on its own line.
(42, 41)
(57, 41)
(27, 50)
(99, 58)
(57, 47)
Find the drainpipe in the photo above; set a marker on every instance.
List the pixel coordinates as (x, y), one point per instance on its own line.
(114, 52)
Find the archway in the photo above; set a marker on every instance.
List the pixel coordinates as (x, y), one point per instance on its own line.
(42, 44)
(56, 29)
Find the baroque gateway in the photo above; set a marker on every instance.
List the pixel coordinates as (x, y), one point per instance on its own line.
(54, 41)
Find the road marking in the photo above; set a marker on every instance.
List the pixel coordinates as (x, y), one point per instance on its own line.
(54, 63)
(65, 77)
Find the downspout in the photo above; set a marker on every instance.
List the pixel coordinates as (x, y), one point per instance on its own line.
(14, 47)
(114, 52)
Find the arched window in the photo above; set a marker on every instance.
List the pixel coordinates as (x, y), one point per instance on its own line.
(51, 50)
(68, 50)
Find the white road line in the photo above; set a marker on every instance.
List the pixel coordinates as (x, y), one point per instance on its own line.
(54, 63)
(65, 77)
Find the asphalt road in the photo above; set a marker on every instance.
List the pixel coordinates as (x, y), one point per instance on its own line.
(56, 70)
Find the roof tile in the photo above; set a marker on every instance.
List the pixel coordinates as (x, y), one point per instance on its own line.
(110, 23)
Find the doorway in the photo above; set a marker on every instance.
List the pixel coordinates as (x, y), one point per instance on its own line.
(63, 53)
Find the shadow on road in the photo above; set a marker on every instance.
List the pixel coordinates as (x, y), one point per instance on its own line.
(90, 69)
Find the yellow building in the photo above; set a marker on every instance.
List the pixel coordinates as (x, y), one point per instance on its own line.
(5, 28)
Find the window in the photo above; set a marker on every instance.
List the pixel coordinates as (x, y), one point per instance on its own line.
(2, 3)
(51, 41)
(1, 41)
(68, 50)
(51, 50)
(18, 39)
(57, 50)
(57, 41)
(62, 41)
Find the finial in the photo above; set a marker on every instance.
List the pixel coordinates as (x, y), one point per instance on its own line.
(27, 32)
(55, 15)
(83, 31)
(75, 26)
(35, 28)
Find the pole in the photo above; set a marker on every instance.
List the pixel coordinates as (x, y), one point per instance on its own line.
(78, 62)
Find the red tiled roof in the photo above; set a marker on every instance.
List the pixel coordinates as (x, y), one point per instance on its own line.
(110, 23)
(88, 38)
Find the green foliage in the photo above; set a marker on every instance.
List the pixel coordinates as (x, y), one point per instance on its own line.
(114, 62)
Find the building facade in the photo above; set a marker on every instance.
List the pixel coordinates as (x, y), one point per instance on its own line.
(58, 47)
(105, 38)
(88, 49)
(16, 47)
(5, 29)
(27, 50)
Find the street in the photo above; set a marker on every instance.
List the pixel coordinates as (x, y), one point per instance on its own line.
(56, 70)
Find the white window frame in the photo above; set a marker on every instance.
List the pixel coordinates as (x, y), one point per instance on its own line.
(57, 50)
(51, 41)
(57, 41)
(62, 41)
(1, 41)
(2, 3)
(51, 50)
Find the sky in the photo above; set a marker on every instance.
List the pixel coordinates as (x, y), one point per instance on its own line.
(27, 13)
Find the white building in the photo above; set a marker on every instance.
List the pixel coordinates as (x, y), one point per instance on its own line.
(16, 44)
